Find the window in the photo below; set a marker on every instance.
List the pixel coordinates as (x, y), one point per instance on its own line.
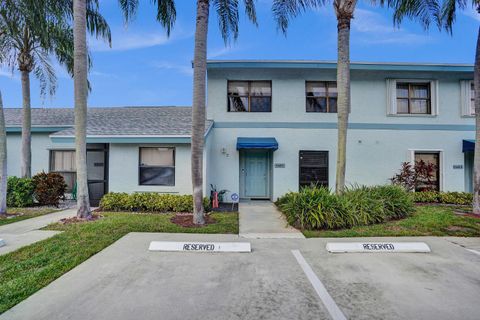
(413, 98)
(321, 96)
(429, 158)
(157, 166)
(313, 168)
(249, 96)
(472, 98)
(63, 162)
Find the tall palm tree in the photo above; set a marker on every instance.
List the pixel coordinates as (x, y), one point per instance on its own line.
(283, 11)
(3, 162)
(228, 15)
(32, 32)
(443, 12)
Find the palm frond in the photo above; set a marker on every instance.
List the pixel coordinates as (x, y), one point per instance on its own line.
(129, 8)
(424, 11)
(285, 10)
(166, 13)
(250, 11)
(227, 14)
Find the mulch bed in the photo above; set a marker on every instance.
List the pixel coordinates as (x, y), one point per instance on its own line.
(73, 220)
(186, 220)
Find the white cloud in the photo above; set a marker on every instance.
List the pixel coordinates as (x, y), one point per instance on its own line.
(8, 74)
(472, 14)
(129, 41)
(375, 28)
(219, 52)
(183, 69)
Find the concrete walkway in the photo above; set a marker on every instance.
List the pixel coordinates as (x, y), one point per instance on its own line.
(262, 220)
(25, 232)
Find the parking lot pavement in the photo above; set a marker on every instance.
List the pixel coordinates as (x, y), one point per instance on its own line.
(126, 281)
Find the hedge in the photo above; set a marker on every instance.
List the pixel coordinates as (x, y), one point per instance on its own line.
(149, 202)
(318, 208)
(460, 198)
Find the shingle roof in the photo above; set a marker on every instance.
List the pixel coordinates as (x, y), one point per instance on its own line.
(151, 121)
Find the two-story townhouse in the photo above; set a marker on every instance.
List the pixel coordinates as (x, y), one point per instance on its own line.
(275, 124)
(271, 128)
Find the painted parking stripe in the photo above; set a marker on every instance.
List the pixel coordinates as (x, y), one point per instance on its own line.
(473, 251)
(322, 292)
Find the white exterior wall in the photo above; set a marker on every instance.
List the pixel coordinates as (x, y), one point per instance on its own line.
(123, 169)
(373, 155)
(41, 146)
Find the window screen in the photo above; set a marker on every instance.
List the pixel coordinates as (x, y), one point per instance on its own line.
(313, 168)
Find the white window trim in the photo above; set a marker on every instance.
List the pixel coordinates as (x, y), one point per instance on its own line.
(466, 97)
(442, 162)
(392, 97)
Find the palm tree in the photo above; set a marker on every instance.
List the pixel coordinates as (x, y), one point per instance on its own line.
(283, 11)
(32, 31)
(228, 15)
(3, 162)
(444, 14)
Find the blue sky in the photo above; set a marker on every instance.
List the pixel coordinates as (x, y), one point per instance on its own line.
(145, 68)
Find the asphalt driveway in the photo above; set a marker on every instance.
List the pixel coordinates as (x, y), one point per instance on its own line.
(126, 281)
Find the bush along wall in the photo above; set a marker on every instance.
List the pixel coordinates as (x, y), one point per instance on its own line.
(460, 198)
(20, 192)
(149, 202)
(318, 208)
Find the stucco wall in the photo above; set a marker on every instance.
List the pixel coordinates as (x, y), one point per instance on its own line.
(41, 144)
(373, 156)
(123, 171)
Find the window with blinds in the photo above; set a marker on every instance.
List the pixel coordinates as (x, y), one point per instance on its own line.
(157, 166)
(313, 168)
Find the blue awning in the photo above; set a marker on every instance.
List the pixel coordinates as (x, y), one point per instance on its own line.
(468, 146)
(257, 143)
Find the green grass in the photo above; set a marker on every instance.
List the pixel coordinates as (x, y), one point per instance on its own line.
(26, 213)
(27, 270)
(426, 221)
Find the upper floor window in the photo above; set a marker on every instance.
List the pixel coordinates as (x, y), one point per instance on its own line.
(157, 166)
(249, 96)
(321, 96)
(468, 98)
(412, 97)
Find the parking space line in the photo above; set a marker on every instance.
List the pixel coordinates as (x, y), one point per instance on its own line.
(322, 292)
(473, 251)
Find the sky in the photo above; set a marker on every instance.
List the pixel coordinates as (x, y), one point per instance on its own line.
(144, 67)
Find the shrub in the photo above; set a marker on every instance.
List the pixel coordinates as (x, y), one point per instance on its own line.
(20, 192)
(50, 188)
(460, 198)
(318, 208)
(419, 176)
(149, 201)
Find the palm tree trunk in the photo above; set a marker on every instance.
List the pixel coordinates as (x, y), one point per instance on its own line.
(3, 162)
(476, 161)
(198, 109)
(344, 11)
(81, 91)
(26, 158)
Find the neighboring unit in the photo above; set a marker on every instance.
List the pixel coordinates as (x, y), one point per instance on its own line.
(271, 129)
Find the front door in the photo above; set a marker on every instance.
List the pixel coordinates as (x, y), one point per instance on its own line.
(255, 174)
(97, 172)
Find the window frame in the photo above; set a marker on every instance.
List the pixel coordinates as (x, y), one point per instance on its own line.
(300, 166)
(70, 172)
(174, 165)
(249, 96)
(327, 96)
(392, 109)
(410, 98)
(467, 98)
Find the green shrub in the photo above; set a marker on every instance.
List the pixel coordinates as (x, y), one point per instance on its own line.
(318, 208)
(50, 188)
(20, 192)
(149, 202)
(460, 198)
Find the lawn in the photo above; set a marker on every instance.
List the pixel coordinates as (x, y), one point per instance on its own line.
(26, 213)
(27, 270)
(426, 221)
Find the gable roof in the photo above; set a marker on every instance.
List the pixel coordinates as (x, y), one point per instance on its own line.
(118, 121)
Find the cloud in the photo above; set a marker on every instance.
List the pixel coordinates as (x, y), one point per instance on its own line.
(222, 51)
(472, 14)
(375, 28)
(8, 74)
(129, 41)
(180, 68)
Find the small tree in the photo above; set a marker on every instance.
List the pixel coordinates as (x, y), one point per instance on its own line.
(419, 177)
